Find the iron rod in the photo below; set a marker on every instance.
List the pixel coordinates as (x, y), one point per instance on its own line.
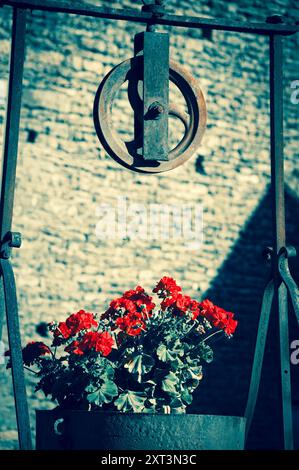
(259, 353)
(11, 136)
(285, 367)
(276, 138)
(278, 212)
(14, 337)
(8, 298)
(136, 16)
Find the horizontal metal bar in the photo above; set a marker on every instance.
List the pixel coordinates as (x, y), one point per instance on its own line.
(77, 8)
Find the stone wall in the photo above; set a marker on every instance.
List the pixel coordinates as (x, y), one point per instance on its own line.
(64, 175)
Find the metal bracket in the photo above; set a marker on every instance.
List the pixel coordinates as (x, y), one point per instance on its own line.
(155, 96)
(10, 240)
(287, 278)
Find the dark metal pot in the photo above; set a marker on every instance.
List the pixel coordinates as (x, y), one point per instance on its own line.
(95, 430)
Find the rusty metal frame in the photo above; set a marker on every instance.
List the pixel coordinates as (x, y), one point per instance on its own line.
(281, 280)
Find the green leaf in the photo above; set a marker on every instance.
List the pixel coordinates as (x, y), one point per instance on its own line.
(149, 388)
(108, 391)
(170, 353)
(186, 397)
(109, 372)
(192, 373)
(177, 406)
(139, 364)
(104, 394)
(130, 401)
(179, 347)
(170, 384)
(150, 406)
(205, 352)
(177, 364)
(164, 354)
(60, 386)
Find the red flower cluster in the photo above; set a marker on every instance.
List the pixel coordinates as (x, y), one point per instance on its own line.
(92, 341)
(181, 304)
(167, 287)
(31, 352)
(74, 324)
(218, 317)
(174, 300)
(130, 311)
(132, 323)
(142, 300)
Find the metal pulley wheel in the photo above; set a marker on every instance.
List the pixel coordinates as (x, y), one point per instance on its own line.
(129, 154)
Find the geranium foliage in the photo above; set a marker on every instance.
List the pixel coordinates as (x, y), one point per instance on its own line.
(138, 356)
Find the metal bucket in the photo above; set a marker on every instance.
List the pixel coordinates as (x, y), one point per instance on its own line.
(96, 430)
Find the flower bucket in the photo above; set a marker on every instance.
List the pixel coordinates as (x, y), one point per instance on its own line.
(96, 430)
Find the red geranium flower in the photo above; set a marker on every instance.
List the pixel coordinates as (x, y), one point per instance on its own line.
(181, 304)
(80, 321)
(206, 306)
(132, 324)
(118, 307)
(61, 332)
(92, 341)
(31, 352)
(141, 299)
(194, 308)
(167, 287)
(230, 326)
(218, 317)
(74, 324)
(74, 348)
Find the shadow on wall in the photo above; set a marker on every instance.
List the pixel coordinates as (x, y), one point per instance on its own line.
(239, 288)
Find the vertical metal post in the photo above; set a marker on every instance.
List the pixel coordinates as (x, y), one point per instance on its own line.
(11, 136)
(12, 120)
(8, 300)
(277, 185)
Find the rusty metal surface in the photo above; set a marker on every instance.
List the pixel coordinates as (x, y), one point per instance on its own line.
(128, 154)
(94, 430)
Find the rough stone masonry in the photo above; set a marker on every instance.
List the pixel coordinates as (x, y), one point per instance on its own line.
(64, 175)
